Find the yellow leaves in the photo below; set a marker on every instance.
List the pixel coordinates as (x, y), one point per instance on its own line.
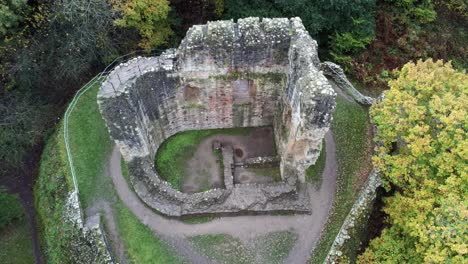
(149, 17)
(422, 127)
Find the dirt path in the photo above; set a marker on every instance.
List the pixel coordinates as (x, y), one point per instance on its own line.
(307, 227)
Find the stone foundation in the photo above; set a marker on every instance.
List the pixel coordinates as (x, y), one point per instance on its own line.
(223, 75)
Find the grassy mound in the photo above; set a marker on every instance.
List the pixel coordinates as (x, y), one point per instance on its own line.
(350, 128)
(90, 146)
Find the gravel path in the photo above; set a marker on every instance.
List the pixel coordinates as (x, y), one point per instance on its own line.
(307, 227)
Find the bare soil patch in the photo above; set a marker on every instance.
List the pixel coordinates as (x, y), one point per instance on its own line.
(204, 170)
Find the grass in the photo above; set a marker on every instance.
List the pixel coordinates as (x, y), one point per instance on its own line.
(90, 145)
(50, 195)
(16, 243)
(275, 247)
(173, 154)
(314, 172)
(350, 128)
(271, 248)
(185, 219)
(139, 241)
(15, 233)
(223, 249)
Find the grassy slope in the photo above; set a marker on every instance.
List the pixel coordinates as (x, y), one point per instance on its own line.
(140, 243)
(172, 156)
(50, 194)
(350, 126)
(90, 145)
(16, 244)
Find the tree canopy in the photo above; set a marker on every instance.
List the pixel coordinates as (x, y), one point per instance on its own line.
(422, 154)
(12, 12)
(149, 17)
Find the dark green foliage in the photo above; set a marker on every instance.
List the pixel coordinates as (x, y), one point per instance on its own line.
(343, 45)
(413, 11)
(21, 124)
(10, 208)
(322, 18)
(12, 13)
(76, 39)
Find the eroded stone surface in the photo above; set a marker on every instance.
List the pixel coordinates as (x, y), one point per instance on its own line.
(223, 75)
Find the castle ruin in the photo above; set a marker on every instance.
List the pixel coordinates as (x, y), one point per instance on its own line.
(256, 72)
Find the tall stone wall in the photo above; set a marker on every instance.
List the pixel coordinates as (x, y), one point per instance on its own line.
(223, 75)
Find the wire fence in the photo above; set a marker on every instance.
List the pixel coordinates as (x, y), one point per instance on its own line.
(98, 78)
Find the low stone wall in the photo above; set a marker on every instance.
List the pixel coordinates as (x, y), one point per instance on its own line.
(223, 75)
(355, 220)
(228, 163)
(337, 74)
(89, 243)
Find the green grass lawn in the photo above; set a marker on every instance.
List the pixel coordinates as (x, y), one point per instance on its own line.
(173, 154)
(350, 130)
(90, 145)
(223, 249)
(314, 172)
(139, 241)
(272, 248)
(275, 247)
(16, 243)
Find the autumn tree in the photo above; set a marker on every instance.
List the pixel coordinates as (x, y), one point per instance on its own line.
(149, 17)
(423, 155)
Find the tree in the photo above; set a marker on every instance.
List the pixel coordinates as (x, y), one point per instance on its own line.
(149, 17)
(422, 154)
(76, 39)
(414, 11)
(322, 18)
(12, 12)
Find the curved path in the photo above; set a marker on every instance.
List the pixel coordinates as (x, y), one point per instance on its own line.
(307, 227)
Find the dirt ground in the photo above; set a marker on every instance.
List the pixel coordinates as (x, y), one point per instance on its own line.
(204, 170)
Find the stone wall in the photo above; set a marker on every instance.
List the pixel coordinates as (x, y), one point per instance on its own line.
(355, 222)
(223, 75)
